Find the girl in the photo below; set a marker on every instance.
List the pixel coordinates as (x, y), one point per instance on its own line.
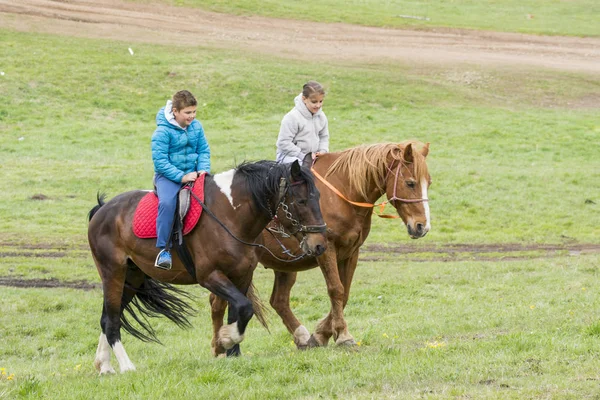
(180, 153)
(304, 129)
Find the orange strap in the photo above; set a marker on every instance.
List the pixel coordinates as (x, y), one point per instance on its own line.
(366, 205)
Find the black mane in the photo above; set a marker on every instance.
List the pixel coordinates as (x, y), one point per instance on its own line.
(262, 180)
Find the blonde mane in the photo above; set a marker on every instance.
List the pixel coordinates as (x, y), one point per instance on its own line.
(369, 163)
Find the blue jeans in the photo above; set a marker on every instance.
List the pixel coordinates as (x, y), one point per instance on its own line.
(167, 204)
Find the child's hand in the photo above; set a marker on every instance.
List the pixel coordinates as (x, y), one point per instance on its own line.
(191, 177)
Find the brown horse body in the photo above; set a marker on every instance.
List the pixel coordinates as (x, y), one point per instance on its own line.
(244, 200)
(360, 174)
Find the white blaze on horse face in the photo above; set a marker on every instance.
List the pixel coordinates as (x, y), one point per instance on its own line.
(224, 181)
(124, 362)
(424, 185)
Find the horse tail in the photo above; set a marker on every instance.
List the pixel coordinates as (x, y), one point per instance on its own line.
(100, 197)
(260, 310)
(153, 299)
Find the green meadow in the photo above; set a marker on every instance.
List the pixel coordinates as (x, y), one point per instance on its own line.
(514, 162)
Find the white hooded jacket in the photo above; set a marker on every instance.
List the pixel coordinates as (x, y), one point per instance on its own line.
(301, 133)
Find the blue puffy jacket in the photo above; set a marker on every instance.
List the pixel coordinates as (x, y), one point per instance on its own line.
(177, 151)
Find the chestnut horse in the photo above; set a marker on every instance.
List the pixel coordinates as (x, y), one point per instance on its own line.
(240, 204)
(350, 182)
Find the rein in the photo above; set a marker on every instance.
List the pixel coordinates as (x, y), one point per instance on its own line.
(371, 205)
(286, 251)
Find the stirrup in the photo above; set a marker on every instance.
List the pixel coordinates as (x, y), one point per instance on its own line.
(165, 264)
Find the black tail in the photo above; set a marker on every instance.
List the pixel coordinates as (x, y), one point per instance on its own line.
(153, 299)
(100, 197)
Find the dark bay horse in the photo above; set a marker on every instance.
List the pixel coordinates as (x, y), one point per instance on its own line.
(242, 202)
(350, 182)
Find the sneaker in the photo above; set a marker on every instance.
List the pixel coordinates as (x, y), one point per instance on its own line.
(163, 260)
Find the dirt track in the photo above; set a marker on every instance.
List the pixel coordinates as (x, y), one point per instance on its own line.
(134, 23)
(370, 253)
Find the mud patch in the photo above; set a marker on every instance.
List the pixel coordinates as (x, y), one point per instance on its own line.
(483, 248)
(30, 254)
(47, 283)
(469, 252)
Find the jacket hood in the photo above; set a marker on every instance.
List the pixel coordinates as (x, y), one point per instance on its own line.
(301, 107)
(166, 117)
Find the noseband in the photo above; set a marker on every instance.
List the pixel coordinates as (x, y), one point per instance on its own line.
(399, 173)
(284, 187)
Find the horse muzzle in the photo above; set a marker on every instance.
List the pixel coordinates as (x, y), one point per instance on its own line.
(418, 231)
(314, 242)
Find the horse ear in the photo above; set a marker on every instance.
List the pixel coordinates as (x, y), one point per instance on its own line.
(408, 154)
(308, 159)
(295, 169)
(425, 150)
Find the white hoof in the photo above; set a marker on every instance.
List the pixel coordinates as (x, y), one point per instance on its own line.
(229, 336)
(301, 336)
(345, 339)
(103, 368)
(127, 368)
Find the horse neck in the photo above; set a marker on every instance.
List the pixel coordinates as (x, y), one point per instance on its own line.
(242, 217)
(369, 186)
(254, 223)
(373, 191)
(250, 221)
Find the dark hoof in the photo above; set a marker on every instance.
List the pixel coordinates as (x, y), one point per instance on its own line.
(313, 342)
(234, 351)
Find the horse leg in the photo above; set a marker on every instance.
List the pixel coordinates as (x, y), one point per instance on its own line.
(102, 360)
(346, 270)
(113, 283)
(217, 306)
(280, 301)
(341, 335)
(239, 305)
(333, 324)
(232, 316)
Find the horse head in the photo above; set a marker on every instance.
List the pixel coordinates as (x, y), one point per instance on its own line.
(407, 183)
(298, 210)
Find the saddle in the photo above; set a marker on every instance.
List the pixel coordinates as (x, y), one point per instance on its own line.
(183, 201)
(187, 214)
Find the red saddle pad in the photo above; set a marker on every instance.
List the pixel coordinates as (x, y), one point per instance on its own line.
(144, 219)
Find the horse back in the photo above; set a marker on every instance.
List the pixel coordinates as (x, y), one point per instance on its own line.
(116, 213)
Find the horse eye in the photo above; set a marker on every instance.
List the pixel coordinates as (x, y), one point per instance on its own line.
(411, 184)
(302, 202)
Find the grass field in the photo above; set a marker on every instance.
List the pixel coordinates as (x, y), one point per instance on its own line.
(513, 156)
(514, 160)
(501, 329)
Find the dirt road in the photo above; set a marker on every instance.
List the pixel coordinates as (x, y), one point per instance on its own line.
(134, 23)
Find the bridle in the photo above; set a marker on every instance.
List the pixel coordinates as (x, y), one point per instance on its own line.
(371, 205)
(399, 173)
(284, 189)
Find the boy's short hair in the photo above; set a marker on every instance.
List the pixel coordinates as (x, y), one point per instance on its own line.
(183, 99)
